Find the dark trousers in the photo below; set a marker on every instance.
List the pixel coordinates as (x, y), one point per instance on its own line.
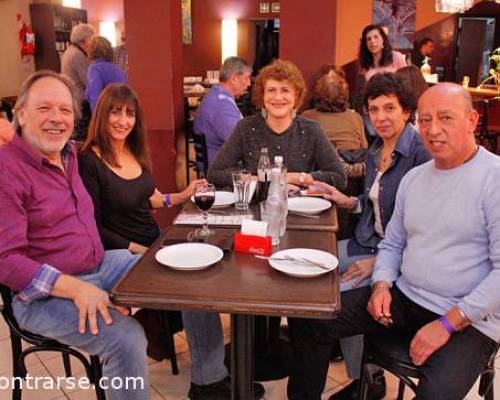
(448, 373)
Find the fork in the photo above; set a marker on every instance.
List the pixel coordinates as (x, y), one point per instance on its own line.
(297, 259)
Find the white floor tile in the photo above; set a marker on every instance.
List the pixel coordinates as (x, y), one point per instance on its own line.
(45, 390)
(6, 358)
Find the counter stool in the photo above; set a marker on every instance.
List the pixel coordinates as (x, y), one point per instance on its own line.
(390, 352)
(41, 343)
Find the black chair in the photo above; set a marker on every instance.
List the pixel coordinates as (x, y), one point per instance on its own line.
(201, 156)
(40, 343)
(390, 352)
(200, 163)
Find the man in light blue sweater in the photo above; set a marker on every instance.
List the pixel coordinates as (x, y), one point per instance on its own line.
(437, 273)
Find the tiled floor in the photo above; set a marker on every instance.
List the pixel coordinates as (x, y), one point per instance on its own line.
(164, 385)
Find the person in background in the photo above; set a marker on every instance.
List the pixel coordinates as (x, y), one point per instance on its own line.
(50, 252)
(102, 71)
(414, 81)
(279, 91)
(425, 48)
(436, 276)
(218, 113)
(116, 170)
(6, 131)
(344, 127)
(74, 61)
(375, 56)
(396, 150)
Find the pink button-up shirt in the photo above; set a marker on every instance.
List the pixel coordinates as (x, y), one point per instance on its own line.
(46, 217)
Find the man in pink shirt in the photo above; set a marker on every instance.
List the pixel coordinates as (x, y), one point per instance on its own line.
(50, 252)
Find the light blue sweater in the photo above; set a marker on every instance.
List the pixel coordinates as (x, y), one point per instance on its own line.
(442, 245)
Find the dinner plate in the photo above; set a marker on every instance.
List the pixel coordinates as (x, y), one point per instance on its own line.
(222, 199)
(308, 205)
(301, 269)
(189, 256)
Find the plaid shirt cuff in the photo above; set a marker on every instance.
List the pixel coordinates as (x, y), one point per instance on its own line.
(41, 285)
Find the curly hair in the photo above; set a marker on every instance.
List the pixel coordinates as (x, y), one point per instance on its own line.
(279, 70)
(386, 84)
(112, 97)
(331, 94)
(365, 56)
(100, 48)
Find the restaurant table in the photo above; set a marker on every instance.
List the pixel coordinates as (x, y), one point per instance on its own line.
(326, 222)
(241, 285)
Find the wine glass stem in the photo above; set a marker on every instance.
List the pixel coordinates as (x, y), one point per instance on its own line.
(205, 221)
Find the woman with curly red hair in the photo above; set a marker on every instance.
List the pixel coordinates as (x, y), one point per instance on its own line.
(279, 91)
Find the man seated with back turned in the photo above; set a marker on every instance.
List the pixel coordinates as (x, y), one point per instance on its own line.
(437, 273)
(50, 251)
(218, 113)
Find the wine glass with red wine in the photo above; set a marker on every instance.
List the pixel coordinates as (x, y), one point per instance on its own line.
(204, 197)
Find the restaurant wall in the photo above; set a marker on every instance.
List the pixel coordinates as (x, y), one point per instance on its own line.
(206, 15)
(307, 34)
(155, 73)
(13, 70)
(105, 10)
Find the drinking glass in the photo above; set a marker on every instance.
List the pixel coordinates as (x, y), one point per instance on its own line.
(241, 184)
(204, 197)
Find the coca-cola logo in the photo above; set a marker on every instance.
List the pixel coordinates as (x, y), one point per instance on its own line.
(256, 250)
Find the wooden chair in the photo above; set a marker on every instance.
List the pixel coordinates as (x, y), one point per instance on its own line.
(40, 343)
(390, 352)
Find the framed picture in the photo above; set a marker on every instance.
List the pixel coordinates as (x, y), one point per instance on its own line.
(399, 17)
(275, 7)
(264, 8)
(187, 30)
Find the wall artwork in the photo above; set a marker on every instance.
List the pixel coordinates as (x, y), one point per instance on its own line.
(187, 29)
(399, 17)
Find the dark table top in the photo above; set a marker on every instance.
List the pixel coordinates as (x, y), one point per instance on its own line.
(239, 283)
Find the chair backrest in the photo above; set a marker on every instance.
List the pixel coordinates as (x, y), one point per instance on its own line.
(200, 148)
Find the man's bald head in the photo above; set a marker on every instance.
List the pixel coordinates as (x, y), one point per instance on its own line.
(446, 90)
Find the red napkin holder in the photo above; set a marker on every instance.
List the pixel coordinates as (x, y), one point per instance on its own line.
(253, 244)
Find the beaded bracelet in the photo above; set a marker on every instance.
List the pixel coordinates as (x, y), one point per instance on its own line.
(167, 202)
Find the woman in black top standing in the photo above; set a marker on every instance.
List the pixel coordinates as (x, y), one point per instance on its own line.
(116, 170)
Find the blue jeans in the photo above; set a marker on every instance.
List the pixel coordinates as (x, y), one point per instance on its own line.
(206, 343)
(352, 346)
(120, 346)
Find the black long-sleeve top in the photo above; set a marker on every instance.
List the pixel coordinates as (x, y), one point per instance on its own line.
(122, 210)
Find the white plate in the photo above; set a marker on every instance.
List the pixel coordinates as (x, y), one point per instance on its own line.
(189, 256)
(303, 269)
(308, 205)
(222, 199)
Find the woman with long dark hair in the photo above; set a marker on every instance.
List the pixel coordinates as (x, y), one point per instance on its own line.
(375, 56)
(116, 169)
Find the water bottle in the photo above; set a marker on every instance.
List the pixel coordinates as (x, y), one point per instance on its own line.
(263, 175)
(278, 161)
(274, 205)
